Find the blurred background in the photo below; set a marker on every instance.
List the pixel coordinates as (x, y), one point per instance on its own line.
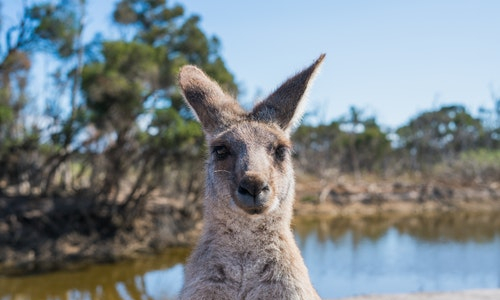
(397, 158)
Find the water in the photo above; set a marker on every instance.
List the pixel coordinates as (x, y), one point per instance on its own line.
(345, 257)
(444, 253)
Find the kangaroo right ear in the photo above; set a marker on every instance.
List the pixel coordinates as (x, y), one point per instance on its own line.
(214, 109)
(285, 106)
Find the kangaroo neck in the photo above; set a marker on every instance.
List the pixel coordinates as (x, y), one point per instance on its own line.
(244, 228)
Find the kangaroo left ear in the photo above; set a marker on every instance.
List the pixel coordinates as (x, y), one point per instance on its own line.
(214, 109)
(285, 105)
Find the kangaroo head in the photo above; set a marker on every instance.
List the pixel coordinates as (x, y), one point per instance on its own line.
(249, 166)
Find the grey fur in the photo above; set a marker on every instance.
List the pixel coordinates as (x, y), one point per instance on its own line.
(247, 249)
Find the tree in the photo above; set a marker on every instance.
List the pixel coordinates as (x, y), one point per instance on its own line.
(490, 119)
(318, 149)
(17, 140)
(351, 144)
(138, 116)
(372, 146)
(366, 143)
(131, 123)
(439, 134)
(353, 125)
(127, 134)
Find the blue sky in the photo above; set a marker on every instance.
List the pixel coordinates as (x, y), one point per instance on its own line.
(393, 59)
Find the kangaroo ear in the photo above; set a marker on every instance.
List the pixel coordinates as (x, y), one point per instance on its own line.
(285, 105)
(214, 109)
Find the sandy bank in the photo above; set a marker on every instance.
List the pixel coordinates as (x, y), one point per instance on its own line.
(464, 295)
(364, 197)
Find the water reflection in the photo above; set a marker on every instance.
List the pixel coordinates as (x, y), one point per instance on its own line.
(151, 277)
(400, 254)
(345, 256)
(453, 226)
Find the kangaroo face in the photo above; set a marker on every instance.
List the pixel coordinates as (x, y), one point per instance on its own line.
(249, 168)
(251, 163)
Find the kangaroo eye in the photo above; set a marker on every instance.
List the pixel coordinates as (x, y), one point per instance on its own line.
(280, 152)
(220, 152)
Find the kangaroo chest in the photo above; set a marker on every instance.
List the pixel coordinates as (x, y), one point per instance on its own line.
(244, 268)
(245, 259)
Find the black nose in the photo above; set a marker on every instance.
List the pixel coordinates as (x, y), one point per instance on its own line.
(252, 194)
(252, 187)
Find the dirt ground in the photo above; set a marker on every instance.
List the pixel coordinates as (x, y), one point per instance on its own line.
(493, 294)
(349, 197)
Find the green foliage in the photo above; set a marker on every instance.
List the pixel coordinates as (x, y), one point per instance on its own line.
(131, 97)
(116, 89)
(473, 166)
(57, 25)
(6, 114)
(482, 158)
(174, 132)
(131, 124)
(350, 144)
(435, 134)
(13, 83)
(318, 148)
(372, 145)
(157, 24)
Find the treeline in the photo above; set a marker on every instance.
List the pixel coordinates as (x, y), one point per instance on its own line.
(114, 128)
(447, 141)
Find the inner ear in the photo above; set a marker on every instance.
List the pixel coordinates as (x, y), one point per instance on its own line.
(285, 105)
(214, 108)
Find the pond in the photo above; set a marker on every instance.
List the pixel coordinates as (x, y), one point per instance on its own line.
(345, 257)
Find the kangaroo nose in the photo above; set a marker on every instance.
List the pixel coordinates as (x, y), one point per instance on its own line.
(253, 193)
(252, 188)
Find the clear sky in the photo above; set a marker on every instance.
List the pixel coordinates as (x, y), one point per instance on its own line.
(392, 58)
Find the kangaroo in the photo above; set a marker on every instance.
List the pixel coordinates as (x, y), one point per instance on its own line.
(246, 249)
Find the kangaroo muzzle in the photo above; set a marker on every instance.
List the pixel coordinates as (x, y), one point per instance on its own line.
(253, 194)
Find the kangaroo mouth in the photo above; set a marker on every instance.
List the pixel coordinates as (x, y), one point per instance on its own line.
(252, 205)
(250, 209)
(255, 211)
